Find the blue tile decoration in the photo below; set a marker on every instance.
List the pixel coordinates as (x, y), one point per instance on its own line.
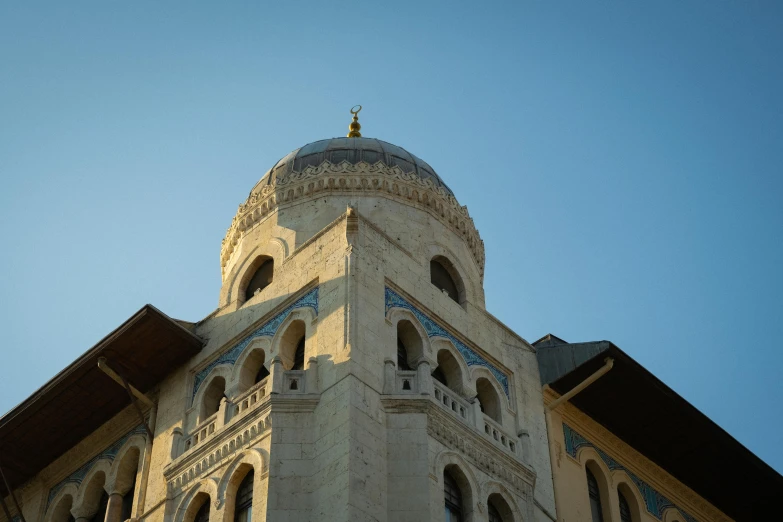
(109, 453)
(655, 502)
(433, 329)
(268, 329)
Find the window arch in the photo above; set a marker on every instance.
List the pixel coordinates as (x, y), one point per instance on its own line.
(213, 394)
(625, 508)
(453, 498)
(448, 371)
(202, 515)
(445, 277)
(498, 508)
(252, 369)
(243, 509)
(259, 275)
(293, 345)
(594, 492)
(488, 399)
(629, 505)
(124, 478)
(62, 511)
(409, 345)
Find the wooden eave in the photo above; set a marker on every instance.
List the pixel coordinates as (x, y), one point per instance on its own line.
(79, 399)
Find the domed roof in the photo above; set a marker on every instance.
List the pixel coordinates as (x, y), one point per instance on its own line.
(352, 150)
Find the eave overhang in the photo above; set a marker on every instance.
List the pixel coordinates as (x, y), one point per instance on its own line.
(81, 398)
(646, 414)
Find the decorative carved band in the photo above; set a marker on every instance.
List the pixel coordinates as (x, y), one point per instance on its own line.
(391, 182)
(480, 452)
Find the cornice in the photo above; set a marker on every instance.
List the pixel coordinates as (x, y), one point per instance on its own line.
(345, 178)
(646, 469)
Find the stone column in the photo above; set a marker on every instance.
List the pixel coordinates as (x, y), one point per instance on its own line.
(424, 376)
(114, 508)
(311, 377)
(389, 376)
(524, 445)
(220, 419)
(276, 374)
(478, 415)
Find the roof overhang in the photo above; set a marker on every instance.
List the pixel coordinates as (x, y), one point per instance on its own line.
(641, 410)
(81, 398)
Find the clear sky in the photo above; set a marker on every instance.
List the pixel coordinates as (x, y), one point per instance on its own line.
(622, 163)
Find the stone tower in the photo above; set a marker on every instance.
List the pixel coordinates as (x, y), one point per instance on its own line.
(351, 363)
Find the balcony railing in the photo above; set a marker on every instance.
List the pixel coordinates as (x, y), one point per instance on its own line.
(203, 431)
(452, 402)
(494, 432)
(252, 397)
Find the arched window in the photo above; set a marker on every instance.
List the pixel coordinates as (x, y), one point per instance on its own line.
(62, 513)
(446, 278)
(212, 397)
(595, 497)
(299, 355)
(263, 271)
(127, 502)
(262, 374)
(453, 498)
(448, 371)
(437, 374)
(293, 346)
(202, 515)
(488, 399)
(494, 516)
(625, 508)
(100, 515)
(498, 509)
(402, 356)
(410, 346)
(244, 502)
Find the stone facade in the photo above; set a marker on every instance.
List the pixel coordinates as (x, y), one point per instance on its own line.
(350, 435)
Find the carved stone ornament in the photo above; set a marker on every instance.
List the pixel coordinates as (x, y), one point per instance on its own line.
(390, 182)
(481, 453)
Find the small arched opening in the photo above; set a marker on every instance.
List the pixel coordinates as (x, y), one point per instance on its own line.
(213, 394)
(253, 369)
(456, 495)
(597, 491)
(96, 498)
(498, 509)
(448, 371)
(125, 482)
(62, 512)
(292, 346)
(446, 278)
(259, 275)
(409, 345)
(243, 507)
(629, 507)
(198, 510)
(488, 398)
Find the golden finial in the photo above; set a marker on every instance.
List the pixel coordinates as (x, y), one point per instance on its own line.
(354, 127)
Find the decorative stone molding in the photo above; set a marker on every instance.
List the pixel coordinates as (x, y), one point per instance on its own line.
(465, 441)
(652, 474)
(434, 329)
(216, 453)
(109, 454)
(480, 453)
(267, 329)
(390, 182)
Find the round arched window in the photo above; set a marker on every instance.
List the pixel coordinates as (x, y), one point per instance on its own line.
(261, 278)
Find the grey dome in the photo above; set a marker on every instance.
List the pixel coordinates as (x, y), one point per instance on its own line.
(352, 150)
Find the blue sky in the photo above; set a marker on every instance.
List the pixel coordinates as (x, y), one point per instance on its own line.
(622, 163)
